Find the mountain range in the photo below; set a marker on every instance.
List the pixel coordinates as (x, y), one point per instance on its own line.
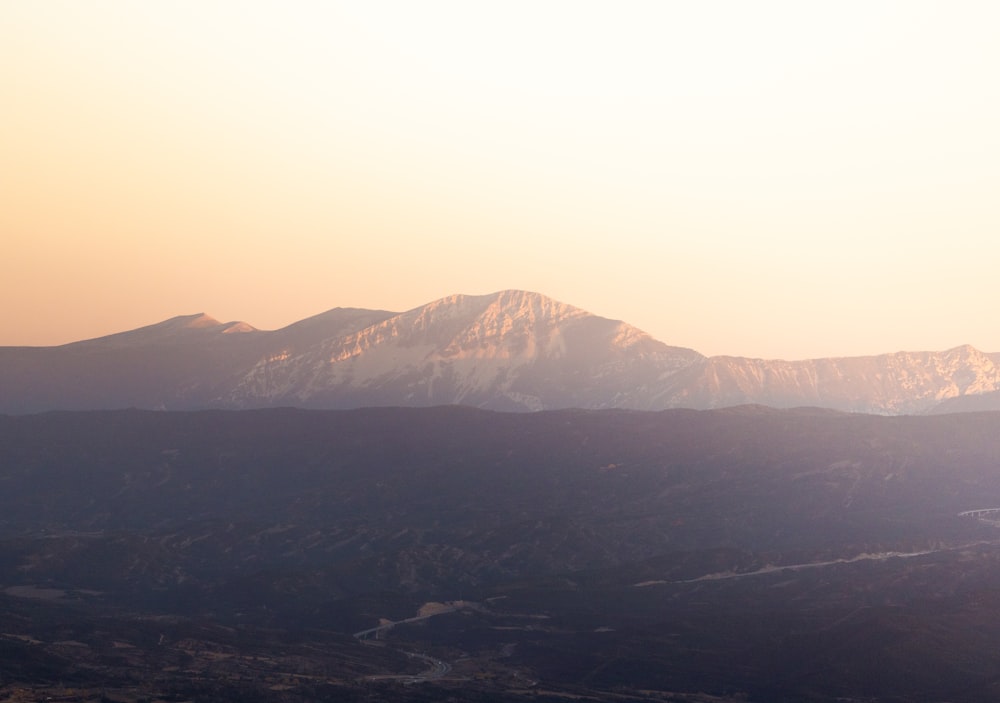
(511, 350)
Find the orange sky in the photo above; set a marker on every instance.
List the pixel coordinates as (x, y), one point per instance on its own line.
(776, 179)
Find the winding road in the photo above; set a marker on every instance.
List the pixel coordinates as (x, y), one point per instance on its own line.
(771, 568)
(438, 667)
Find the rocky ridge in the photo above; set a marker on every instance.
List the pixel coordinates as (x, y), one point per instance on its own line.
(511, 350)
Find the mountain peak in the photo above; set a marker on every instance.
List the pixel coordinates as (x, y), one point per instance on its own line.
(196, 321)
(512, 349)
(238, 328)
(537, 303)
(511, 303)
(963, 350)
(184, 327)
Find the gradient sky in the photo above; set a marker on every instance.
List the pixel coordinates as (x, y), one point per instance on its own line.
(775, 179)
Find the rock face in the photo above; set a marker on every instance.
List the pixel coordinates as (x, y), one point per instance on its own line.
(511, 350)
(900, 383)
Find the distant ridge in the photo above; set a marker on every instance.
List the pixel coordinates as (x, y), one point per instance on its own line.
(510, 350)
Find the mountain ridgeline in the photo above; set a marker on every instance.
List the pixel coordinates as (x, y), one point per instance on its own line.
(511, 351)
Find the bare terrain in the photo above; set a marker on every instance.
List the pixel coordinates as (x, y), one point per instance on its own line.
(456, 554)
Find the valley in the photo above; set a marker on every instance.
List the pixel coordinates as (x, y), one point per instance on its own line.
(458, 554)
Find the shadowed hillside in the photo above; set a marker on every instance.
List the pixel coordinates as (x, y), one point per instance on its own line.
(779, 555)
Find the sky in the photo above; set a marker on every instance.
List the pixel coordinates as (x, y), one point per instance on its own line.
(771, 179)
